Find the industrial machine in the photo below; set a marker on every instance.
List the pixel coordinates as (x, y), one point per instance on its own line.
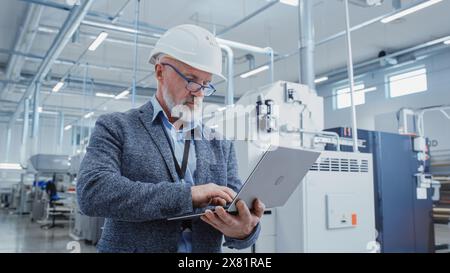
(53, 168)
(82, 227)
(22, 198)
(403, 192)
(333, 208)
(412, 122)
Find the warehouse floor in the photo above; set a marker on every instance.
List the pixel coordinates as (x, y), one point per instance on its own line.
(19, 234)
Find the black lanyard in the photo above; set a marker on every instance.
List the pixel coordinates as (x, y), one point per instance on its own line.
(181, 171)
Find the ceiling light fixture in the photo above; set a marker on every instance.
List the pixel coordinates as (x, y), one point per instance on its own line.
(254, 71)
(410, 10)
(98, 41)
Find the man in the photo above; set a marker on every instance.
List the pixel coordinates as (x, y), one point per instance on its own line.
(141, 167)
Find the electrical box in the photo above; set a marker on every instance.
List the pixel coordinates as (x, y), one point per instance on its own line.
(340, 211)
(339, 186)
(403, 198)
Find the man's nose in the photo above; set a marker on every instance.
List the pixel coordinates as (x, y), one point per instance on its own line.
(198, 94)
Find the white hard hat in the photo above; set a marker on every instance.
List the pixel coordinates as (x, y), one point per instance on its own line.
(191, 45)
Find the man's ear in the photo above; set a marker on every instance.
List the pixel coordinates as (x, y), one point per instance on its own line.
(158, 73)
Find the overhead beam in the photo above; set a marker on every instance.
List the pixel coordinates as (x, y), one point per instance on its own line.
(246, 18)
(24, 41)
(67, 30)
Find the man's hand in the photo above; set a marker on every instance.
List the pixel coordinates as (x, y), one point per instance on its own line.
(239, 226)
(211, 194)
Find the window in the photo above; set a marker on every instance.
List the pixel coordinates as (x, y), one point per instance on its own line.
(408, 83)
(343, 98)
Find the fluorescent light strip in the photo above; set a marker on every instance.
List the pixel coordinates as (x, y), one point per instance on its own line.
(98, 41)
(68, 127)
(88, 115)
(50, 113)
(290, 2)
(122, 95)
(10, 166)
(321, 79)
(409, 11)
(58, 86)
(104, 95)
(254, 71)
(370, 89)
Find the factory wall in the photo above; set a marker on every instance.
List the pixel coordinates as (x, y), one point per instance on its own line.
(379, 110)
(48, 139)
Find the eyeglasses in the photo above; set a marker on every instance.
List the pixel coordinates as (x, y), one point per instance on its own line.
(192, 86)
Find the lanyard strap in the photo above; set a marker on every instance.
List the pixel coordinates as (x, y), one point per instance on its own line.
(181, 171)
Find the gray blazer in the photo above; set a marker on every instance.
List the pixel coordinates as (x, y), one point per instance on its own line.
(128, 176)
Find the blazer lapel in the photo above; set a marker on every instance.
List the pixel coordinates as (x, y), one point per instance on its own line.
(158, 136)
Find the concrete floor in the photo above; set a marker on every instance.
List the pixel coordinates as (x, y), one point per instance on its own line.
(19, 234)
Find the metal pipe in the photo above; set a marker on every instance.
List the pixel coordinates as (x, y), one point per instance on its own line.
(74, 138)
(272, 65)
(307, 43)
(299, 21)
(342, 33)
(37, 58)
(396, 4)
(35, 129)
(86, 72)
(157, 31)
(251, 61)
(445, 114)
(52, 30)
(129, 30)
(365, 24)
(49, 4)
(61, 132)
(218, 99)
(351, 78)
(25, 136)
(324, 133)
(19, 53)
(67, 30)
(248, 17)
(425, 46)
(421, 112)
(119, 28)
(83, 120)
(36, 102)
(96, 14)
(76, 84)
(135, 64)
(120, 12)
(243, 46)
(229, 98)
(23, 43)
(11, 82)
(8, 144)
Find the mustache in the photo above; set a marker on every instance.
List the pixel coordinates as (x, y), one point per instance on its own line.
(193, 100)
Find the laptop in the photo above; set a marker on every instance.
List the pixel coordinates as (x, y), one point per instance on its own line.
(275, 177)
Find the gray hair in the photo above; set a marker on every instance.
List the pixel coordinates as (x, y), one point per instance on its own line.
(159, 57)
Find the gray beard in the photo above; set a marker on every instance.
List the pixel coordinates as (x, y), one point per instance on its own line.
(168, 100)
(181, 111)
